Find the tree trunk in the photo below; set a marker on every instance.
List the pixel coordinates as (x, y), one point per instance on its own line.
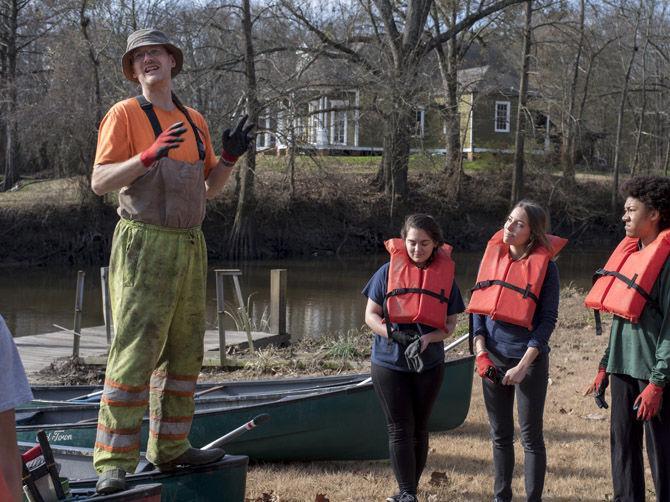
(520, 135)
(635, 168)
(397, 133)
(11, 123)
(619, 125)
(568, 143)
(242, 237)
(448, 64)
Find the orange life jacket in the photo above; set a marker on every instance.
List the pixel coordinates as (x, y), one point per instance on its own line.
(508, 290)
(418, 295)
(623, 285)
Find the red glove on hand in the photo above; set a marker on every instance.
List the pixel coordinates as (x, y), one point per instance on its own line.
(485, 367)
(164, 143)
(648, 403)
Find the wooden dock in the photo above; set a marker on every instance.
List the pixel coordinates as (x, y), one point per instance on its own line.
(39, 351)
(90, 344)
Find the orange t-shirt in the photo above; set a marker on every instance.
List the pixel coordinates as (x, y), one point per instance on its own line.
(126, 131)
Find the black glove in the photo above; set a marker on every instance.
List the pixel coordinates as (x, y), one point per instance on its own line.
(413, 356)
(237, 141)
(404, 337)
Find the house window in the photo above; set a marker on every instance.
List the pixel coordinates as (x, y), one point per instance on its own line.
(419, 123)
(501, 120)
(338, 123)
(264, 138)
(315, 122)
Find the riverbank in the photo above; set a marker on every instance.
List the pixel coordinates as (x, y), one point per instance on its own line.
(459, 462)
(334, 210)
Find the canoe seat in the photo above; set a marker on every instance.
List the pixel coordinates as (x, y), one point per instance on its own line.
(26, 417)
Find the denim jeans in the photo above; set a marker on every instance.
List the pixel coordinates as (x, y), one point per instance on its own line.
(499, 400)
(626, 433)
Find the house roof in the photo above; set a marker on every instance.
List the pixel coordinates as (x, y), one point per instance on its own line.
(488, 80)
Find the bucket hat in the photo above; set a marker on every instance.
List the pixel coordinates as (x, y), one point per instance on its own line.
(149, 36)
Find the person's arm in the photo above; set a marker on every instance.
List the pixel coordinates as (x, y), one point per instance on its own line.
(439, 334)
(517, 373)
(111, 177)
(547, 310)
(234, 143)
(114, 176)
(660, 373)
(373, 318)
(218, 178)
(10, 466)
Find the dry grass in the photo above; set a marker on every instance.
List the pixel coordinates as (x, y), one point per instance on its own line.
(57, 192)
(459, 463)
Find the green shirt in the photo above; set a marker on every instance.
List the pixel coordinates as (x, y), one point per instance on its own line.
(642, 350)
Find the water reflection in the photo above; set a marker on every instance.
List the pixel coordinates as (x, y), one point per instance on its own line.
(323, 293)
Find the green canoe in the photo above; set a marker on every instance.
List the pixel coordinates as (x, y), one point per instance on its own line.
(224, 480)
(339, 423)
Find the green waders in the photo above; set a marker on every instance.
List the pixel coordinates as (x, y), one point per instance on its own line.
(157, 288)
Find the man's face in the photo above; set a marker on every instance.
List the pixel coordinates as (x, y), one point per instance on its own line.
(152, 64)
(640, 221)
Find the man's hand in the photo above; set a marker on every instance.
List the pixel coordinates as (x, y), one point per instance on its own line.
(648, 403)
(486, 368)
(165, 141)
(237, 141)
(597, 388)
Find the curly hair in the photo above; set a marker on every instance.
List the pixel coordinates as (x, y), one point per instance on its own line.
(653, 192)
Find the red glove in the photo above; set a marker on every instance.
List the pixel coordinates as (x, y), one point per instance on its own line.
(597, 388)
(648, 403)
(164, 143)
(485, 367)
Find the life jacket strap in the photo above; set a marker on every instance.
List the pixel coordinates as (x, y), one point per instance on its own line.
(525, 292)
(403, 291)
(148, 109)
(630, 282)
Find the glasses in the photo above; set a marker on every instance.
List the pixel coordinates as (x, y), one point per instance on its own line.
(140, 54)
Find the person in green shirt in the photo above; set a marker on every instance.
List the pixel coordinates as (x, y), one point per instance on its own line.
(637, 359)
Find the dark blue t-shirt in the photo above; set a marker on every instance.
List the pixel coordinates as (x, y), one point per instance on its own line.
(511, 340)
(390, 354)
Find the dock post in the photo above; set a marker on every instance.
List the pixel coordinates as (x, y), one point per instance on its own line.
(278, 301)
(220, 316)
(78, 304)
(106, 303)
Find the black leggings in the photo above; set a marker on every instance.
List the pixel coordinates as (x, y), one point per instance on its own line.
(407, 400)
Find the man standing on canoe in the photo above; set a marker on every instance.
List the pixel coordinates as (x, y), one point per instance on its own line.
(634, 285)
(160, 157)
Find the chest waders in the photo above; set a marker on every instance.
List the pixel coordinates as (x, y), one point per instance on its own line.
(158, 268)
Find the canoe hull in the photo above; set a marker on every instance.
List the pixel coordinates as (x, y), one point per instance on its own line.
(341, 424)
(224, 480)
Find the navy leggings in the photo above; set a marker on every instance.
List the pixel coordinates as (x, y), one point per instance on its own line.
(407, 400)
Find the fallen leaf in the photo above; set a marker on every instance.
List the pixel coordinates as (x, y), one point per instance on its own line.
(595, 416)
(438, 478)
(321, 497)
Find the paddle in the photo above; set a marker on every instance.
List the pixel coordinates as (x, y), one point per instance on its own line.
(453, 344)
(251, 424)
(146, 466)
